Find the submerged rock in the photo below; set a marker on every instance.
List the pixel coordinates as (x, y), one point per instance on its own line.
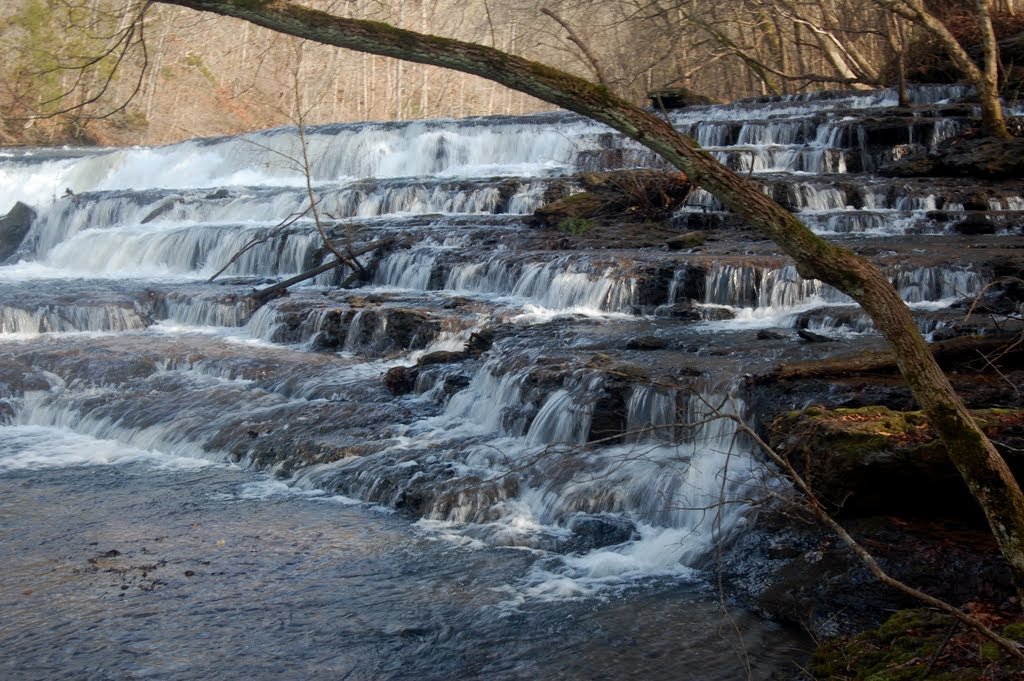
(594, 531)
(646, 343)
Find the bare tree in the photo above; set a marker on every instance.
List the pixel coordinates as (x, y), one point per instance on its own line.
(986, 79)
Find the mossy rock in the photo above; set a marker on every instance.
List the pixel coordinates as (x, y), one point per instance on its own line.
(875, 460)
(903, 649)
(631, 195)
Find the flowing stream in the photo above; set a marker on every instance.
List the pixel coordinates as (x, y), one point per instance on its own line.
(197, 484)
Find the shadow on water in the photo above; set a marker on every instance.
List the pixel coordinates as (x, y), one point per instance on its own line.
(208, 573)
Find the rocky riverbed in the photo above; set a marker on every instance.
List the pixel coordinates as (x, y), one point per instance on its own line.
(550, 382)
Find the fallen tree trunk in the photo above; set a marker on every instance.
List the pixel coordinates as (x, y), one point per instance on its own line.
(269, 292)
(955, 351)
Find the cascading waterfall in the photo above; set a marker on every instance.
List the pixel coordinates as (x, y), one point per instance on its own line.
(393, 392)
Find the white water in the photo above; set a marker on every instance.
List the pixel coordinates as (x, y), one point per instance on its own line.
(506, 456)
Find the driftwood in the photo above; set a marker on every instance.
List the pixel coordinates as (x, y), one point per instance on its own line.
(956, 350)
(271, 291)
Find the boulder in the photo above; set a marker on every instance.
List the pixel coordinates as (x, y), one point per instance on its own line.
(593, 531)
(13, 228)
(400, 380)
(684, 241)
(646, 343)
(875, 460)
(811, 337)
(441, 357)
(631, 195)
(678, 98)
(691, 312)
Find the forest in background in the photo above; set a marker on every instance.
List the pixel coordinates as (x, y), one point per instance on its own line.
(191, 75)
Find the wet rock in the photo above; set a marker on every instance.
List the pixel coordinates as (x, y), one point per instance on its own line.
(16, 378)
(333, 330)
(811, 337)
(684, 241)
(480, 341)
(163, 208)
(453, 383)
(766, 334)
(627, 370)
(13, 228)
(97, 366)
(678, 98)
(687, 312)
(441, 357)
(974, 224)
(691, 312)
(594, 531)
(795, 572)
(953, 331)
(411, 329)
(1004, 297)
(631, 195)
(716, 314)
(985, 158)
(609, 416)
(646, 343)
(832, 317)
(400, 380)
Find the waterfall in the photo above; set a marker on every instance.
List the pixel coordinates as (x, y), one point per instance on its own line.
(501, 380)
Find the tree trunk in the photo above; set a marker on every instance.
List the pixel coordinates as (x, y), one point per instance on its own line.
(992, 121)
(983, 469)
(985, 82)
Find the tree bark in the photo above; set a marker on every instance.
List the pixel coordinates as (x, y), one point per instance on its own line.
(981, 466)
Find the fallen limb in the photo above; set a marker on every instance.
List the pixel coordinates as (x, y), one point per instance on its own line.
(256, 241)
(956, 350)
(270, 291)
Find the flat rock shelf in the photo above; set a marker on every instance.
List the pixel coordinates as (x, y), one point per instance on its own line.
(479, 447)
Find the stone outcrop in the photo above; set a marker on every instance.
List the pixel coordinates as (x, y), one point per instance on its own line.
(877, 461)
(986, 158)
(678, 98)
(620, 195)
(13, 228)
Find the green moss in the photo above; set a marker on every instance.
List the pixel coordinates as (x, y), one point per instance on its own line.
(902, 621)
(990, 652)
(1014, 631)
(899, 650)
(249, 4)
(575, 226)
(903, 649)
